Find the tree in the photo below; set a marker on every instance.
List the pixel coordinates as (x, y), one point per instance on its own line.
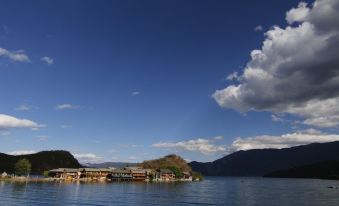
(197, 176)
(176, 171)
(22, 167)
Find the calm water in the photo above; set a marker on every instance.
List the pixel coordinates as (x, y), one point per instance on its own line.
(211, 191)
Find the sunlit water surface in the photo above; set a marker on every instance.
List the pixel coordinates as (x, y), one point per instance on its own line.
(211, 191)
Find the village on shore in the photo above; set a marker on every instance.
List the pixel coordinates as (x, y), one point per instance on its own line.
(126, 174)
(171, 168)
(122, 174)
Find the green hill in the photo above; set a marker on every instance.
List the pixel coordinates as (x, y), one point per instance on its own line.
(41, 161)
(166, 162)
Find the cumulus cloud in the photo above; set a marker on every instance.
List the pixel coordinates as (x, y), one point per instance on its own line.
(22, 152)
(47, 60)
(297, 69)
(10, 122)
(18, 56)
(66, 106)
(204, 146)
(87, 157)
(282, 141)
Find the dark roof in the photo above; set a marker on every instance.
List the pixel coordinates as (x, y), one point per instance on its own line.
(64, 170)
(121, 171)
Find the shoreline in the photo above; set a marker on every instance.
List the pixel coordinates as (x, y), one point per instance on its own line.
(82, 180)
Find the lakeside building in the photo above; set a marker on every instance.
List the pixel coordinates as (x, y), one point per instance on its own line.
(118, 174)
(65, 173)
(165, 175)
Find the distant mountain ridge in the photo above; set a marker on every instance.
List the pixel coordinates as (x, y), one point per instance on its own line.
(259, 162)
(110, 164)
(41, 161)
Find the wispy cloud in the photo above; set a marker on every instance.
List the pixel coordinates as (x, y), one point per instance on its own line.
(276, 118)
(22, 152)
(4, 133)
(18, 56)
(65, 126)
(135, 93)
(233, 76)
(47, 60)
(66, 106)
(218, 138)
(42, 137)
(87, 157)
(282, 141)
(258, 28)
(25, 107)
(204, 146)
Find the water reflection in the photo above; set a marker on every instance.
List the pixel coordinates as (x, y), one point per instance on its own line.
(212, 191)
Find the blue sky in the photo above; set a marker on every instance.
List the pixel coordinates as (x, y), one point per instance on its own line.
(136, 80)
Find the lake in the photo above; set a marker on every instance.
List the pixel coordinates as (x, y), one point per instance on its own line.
(211, 191)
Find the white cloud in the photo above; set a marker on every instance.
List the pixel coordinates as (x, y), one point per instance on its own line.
(18, 56)
(87, 157)
(130, 145)
(10, 122)
(135, 93)
(47, 60)
(258, 28)
(282, 141)
(296, 70)
(66, 106)
(204, 146)
(22, 152)
(298, 14)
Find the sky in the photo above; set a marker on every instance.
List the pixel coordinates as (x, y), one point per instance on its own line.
(136, 80)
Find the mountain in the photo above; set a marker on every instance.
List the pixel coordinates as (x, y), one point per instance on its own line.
(259, 162)
(322, 170)
(167, 161)
(41, 161)
(111, 164)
